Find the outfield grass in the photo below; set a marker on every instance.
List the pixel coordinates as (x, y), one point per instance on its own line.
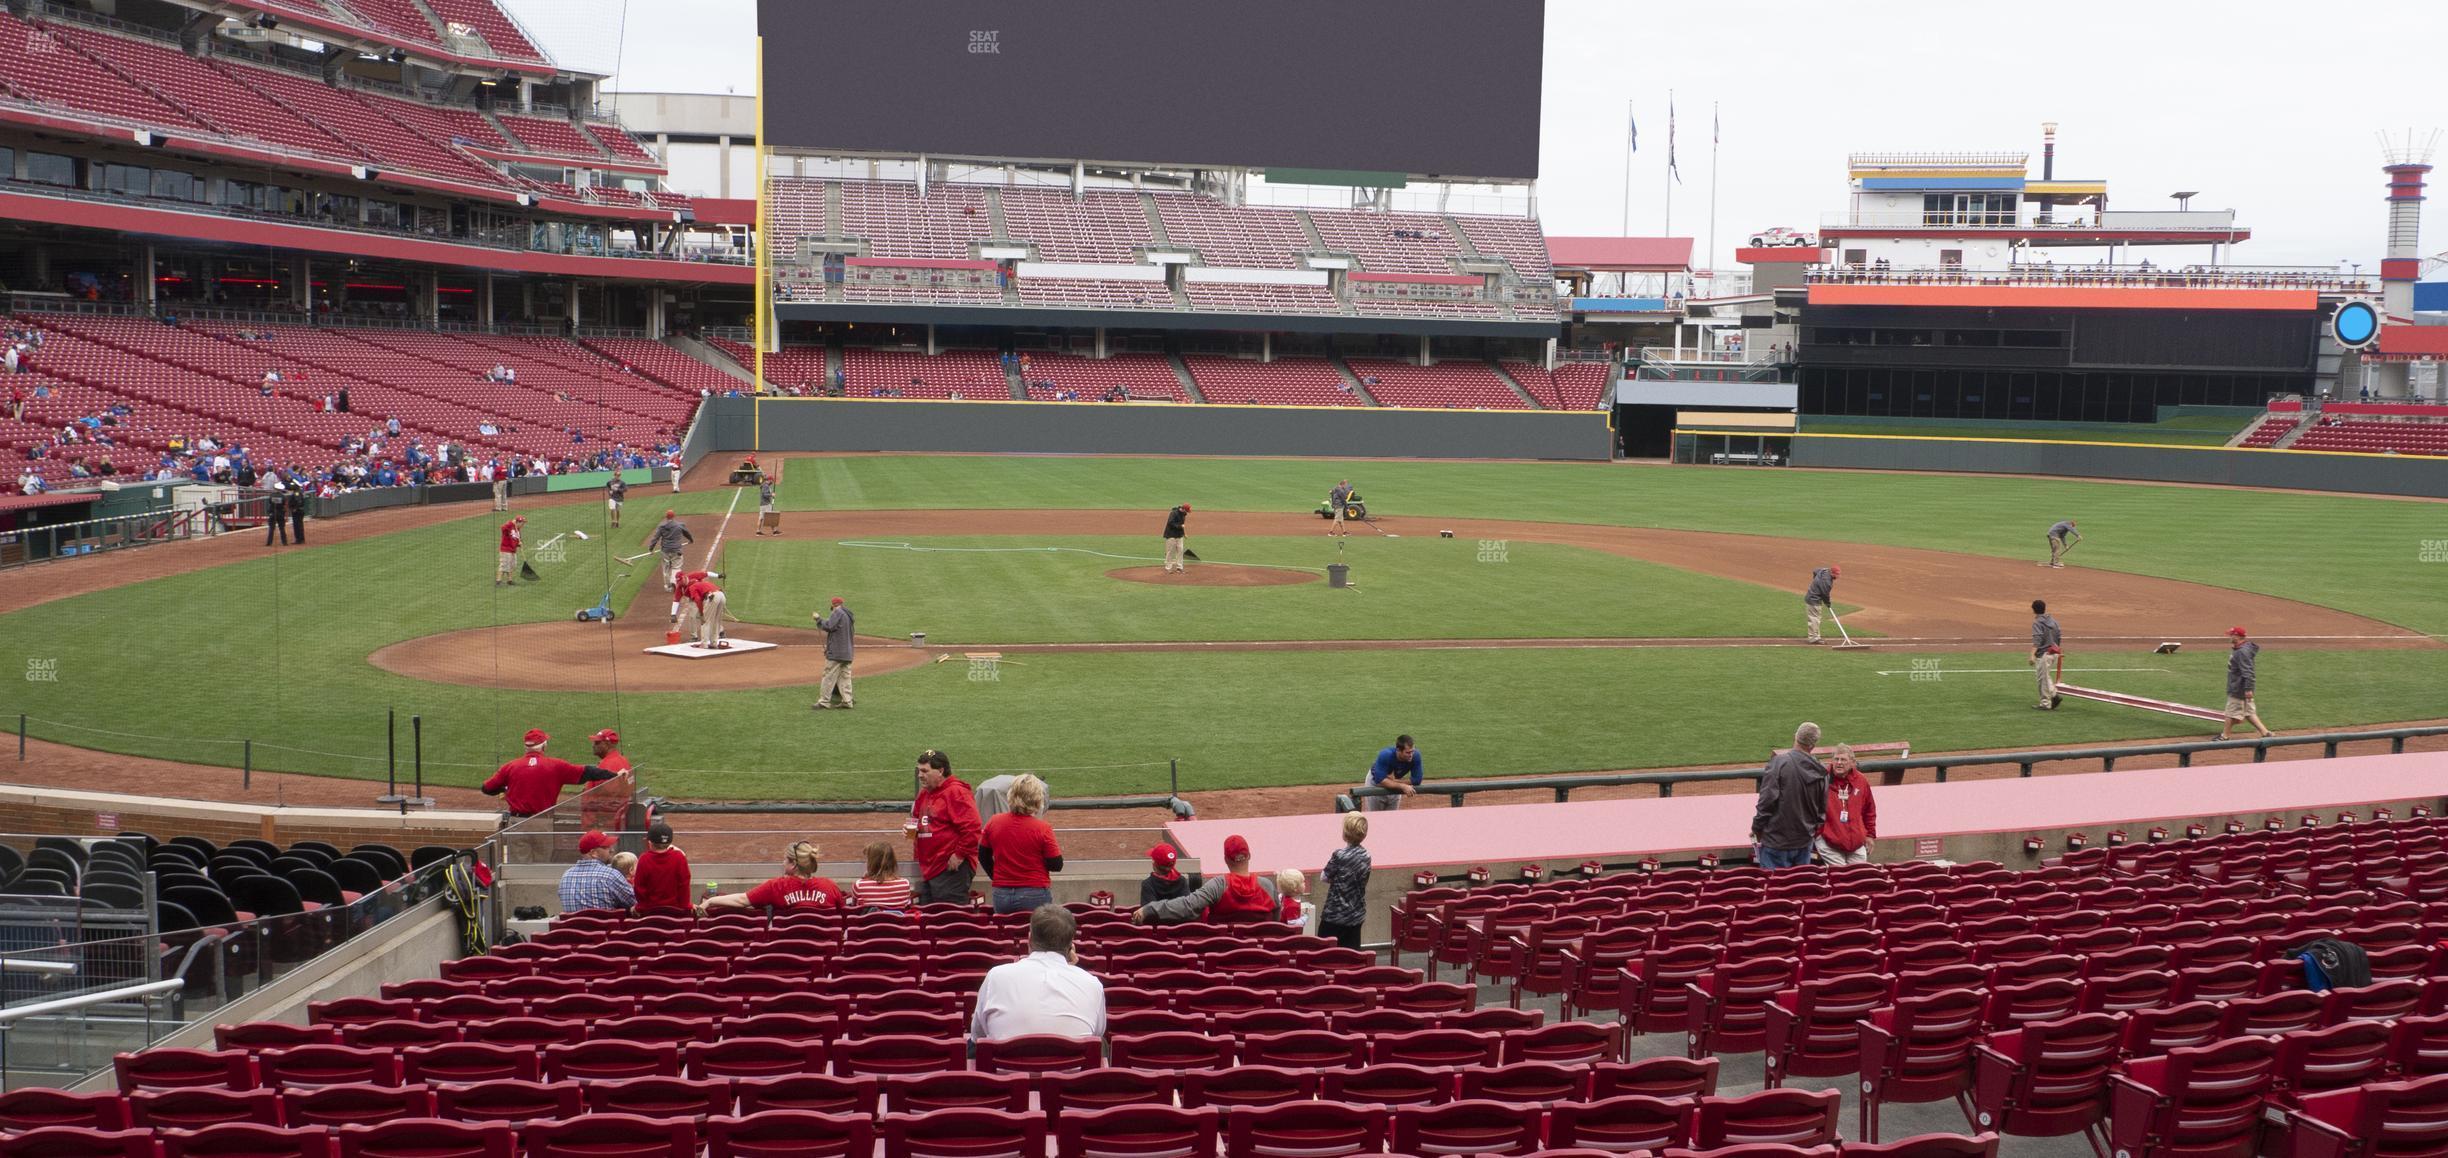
(274, 649)
(2356, 554)
(978, 589)
(2191, 430)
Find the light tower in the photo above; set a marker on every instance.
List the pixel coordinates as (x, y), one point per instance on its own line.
(2406, 163)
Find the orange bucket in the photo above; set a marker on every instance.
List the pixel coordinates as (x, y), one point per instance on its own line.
(671, 637)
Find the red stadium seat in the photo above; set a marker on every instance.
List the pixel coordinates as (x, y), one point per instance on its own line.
(161, 1069)
(1248, 1086)
(509, 1101)
(610, 1136)
(1919, 1050)
(1473, 1127)
(955, 1090)
(755, 1057)
(1138, 1131)
(469, 1061)
(2193, 1101)
(1626, 1124)
(1039, 1054)
(1104, 1089)
(660, 1097)
(202, 1106)
(355, 1105)
(790, 1134)
(2409, 1117)
(1305, 1130)
(427, 1138)
(36, 1109)
(1657, 1077)
(80, 1142)
(964, 1134)
(1783, 1117)
(1388, 1085)
(810, 1093)
(247, 1140)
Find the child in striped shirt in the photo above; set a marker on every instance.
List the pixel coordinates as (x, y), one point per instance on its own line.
(883, 887)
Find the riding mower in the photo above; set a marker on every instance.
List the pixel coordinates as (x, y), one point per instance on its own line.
(1353, 508)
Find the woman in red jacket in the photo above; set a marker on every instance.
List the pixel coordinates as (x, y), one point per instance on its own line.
(1019, 852)
(1852, 817)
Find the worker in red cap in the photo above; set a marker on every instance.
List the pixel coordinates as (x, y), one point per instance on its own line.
(706, 603)
(1176, 541)
(606, 805)
(1239, 897)
(841, 642)
(533, 782)
(2242, 654)
(505, 571)
(1819, 596)
(593, 883)
(1165, 882)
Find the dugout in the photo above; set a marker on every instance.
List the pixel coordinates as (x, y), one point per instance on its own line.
(1734, 438)
(1647, 409)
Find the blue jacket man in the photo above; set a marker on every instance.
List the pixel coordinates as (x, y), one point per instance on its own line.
(1398, 769)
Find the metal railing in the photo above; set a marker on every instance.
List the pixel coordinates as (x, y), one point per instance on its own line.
(2208, 222)
(1935, 160)
(2312, 277)
(182, 976)
(1668, 355)
(61, 540)
(1665, 782)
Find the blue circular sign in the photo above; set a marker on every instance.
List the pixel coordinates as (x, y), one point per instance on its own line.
(2355, 324)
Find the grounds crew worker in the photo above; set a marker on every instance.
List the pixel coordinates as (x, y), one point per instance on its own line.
(2241, 656)
(2061, 536)
(1817, 597)
(672, 539)
(706, 602)
(506, 572)
(841, 639)
(605, 808)
(614, 492)
(533, 782)
(943, 831)
(2047, 644)
(768, 519)
(1176, 539)
(1339, 498)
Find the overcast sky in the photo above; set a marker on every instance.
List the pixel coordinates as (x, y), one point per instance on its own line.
(2263, 106)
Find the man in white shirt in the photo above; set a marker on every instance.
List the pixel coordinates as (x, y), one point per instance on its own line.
(1044, 992)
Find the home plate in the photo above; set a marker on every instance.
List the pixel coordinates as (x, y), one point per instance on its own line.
(692, 651)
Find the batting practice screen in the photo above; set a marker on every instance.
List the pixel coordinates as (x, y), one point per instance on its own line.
(1430, 87)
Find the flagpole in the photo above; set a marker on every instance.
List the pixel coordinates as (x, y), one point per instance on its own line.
(1711, 259)
(1668, 231)
(1631, 129)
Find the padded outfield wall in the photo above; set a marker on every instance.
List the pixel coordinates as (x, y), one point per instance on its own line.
(852, 425)
(2369, 474)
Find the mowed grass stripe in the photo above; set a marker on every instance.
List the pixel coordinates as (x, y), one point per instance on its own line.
(1016, 590)
(2355, 554)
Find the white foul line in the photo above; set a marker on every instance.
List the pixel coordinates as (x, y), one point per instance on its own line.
(2015, 670)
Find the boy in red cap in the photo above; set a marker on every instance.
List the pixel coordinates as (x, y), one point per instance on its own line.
(1176, 537)
(662, 878)
(2242, 653)
(593, 883)
(506, 569)
(1165, 882)
(533, 782)
(1239, 897)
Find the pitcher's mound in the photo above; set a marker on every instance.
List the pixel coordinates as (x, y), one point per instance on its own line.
(1216, 575)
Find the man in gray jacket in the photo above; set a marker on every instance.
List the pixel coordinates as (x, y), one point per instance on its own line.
(2242, 654)
(839, 640)
(2047, 642)
(1792, 804)
(671, 537)
(1817, 597)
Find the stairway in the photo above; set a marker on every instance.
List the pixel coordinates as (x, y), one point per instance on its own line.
(1518, 388)
(1344, 368)
(1181, 371)
(1156, 227)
